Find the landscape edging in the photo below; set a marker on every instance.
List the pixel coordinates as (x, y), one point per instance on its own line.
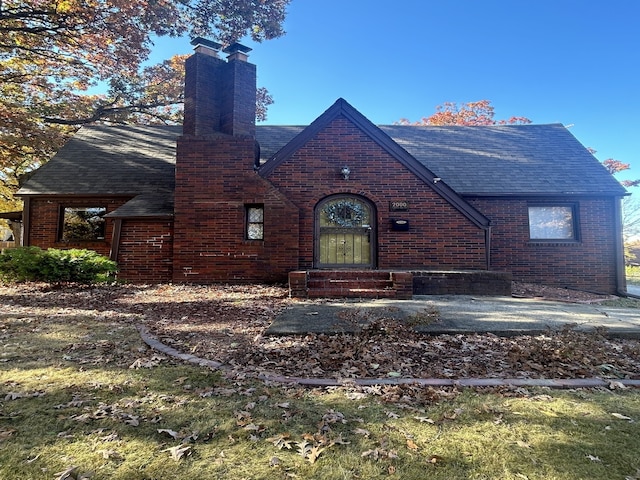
(559, 383)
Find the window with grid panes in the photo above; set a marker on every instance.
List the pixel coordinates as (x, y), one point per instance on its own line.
(255, 222)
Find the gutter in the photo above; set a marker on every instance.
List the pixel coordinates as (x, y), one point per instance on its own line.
(621, 278)
(487, 246)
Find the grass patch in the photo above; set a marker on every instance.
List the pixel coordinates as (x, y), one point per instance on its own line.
(81, 394)
(622, 302)
(633, 275)
(423, 318)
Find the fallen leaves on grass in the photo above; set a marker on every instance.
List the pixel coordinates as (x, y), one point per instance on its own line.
(619, 416)
(634, 477)
(311, 446)
(227, 323)
(282, 441)
(73, 473)
(6, 433)
(151, 362)
(179, 452)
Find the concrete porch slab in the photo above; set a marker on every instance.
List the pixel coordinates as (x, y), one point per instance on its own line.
(452, 314)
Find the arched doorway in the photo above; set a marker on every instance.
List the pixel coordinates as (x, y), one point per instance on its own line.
(345, 233)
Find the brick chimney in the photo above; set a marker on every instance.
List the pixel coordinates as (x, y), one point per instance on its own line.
(220, 96)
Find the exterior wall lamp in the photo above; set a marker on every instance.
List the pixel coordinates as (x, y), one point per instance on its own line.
(345, 171)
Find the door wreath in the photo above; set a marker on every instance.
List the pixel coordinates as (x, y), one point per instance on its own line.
(345, 213)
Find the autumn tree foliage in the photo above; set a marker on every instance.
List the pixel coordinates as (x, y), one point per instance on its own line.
(52, 52)
(471, 113)
(630, 210)
(615, 166)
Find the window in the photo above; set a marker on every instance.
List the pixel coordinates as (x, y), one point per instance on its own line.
(82, 224)
(552, 222)
(255, 222)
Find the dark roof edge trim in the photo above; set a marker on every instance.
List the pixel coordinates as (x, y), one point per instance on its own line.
(11, 215)
(342, 107)
(544, 195)
(78, 195)
(140, 217)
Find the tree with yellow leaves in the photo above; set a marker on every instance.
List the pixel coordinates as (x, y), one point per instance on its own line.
(53, 51)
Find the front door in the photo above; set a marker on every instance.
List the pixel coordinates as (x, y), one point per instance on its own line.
(345, 233)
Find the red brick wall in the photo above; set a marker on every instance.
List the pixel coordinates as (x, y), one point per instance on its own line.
(588, 264)
(146, 249)
(44, 221)
(439, 236)
(220, 96)
(214, 181)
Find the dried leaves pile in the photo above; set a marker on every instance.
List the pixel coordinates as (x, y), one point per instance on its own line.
(226, 324)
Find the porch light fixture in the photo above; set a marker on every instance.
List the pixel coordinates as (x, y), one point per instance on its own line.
(345, 171)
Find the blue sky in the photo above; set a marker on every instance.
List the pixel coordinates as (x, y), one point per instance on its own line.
(574, 62)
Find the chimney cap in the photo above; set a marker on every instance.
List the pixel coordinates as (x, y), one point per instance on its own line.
(200, 41)
(237, 48)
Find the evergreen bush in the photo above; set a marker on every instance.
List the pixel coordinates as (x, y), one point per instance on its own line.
(55, 266)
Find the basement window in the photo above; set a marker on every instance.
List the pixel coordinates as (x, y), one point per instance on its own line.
(82, 224)
(553, 223)
(254, 226)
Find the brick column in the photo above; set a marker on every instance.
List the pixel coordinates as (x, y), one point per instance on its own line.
(298, 284)
(403, 285)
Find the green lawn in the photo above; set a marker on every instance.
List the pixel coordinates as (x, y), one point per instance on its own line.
(82, 397)
(633, 275)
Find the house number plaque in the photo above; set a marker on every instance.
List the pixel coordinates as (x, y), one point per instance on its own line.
(398, 206)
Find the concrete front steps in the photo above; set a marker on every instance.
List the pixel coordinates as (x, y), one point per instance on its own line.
(401, 285)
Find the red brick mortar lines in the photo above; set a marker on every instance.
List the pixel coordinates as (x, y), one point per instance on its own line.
(566, 383)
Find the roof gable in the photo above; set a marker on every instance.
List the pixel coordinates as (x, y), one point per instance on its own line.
(342, 108)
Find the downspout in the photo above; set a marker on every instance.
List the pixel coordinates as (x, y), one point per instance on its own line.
(26, 222)
(115, 239)
(621, 277)
(487, 246)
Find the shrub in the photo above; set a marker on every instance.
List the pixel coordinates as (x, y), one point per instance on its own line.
(55, 266)
(20, 264)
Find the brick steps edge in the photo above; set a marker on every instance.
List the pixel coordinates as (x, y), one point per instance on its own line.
(338, 292)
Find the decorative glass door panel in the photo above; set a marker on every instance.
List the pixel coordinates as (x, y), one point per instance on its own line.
(345, 234)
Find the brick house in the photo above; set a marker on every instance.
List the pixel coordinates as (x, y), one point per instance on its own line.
(220, 199)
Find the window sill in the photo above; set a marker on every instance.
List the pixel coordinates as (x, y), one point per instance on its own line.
(81, 242)
(554, 243)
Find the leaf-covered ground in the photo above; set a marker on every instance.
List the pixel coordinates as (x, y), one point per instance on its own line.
(226, 324)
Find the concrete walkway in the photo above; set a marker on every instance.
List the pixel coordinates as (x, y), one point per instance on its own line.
(458, 314)
(442, 314)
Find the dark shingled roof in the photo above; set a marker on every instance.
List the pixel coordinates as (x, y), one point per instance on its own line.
(486, 160)
(507, 159)
(146, 205)
(109, 160)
